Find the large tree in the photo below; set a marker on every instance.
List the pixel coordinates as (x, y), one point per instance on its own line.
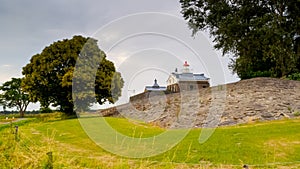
(262, 36)
(49, 75)
(13, 95)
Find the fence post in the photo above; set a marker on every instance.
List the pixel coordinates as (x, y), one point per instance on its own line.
(50, 160)
(16, 133)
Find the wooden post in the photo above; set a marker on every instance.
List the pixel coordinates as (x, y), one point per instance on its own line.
(16, 133)
(50, 160)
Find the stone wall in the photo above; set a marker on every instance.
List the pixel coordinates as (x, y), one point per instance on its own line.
(187, 85)
(146, 95)
(246, 101)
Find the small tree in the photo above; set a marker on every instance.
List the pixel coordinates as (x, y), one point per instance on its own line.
(13, 96)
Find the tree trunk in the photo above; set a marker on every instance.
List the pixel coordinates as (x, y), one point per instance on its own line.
(68, 109)
(21, 113)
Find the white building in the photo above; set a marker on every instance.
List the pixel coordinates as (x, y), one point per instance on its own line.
(186, 80)
(155, 87)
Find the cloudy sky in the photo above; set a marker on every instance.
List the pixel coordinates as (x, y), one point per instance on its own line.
(145, 39)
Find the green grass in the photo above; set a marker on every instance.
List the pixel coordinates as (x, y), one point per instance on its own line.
(261, 145)
(133, 128)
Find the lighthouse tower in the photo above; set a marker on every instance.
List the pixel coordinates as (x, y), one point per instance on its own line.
(186, 68)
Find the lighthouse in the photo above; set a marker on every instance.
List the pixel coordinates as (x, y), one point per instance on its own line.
(186, 80)
(186, 68)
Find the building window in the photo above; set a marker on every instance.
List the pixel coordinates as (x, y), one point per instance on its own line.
(191, 87)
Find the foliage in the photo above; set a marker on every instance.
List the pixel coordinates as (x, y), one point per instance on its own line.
(46, 110)
(297, 113)
(49, 75)
(14, 96)
(261, 35)
(294, 76)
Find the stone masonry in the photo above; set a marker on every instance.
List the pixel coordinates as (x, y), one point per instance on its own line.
(246, 101)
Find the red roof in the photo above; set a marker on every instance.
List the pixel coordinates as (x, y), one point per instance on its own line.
(186, 64)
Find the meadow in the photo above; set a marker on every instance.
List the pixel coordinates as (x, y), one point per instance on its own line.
(53, 141)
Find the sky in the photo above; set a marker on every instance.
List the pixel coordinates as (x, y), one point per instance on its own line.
(145, 39)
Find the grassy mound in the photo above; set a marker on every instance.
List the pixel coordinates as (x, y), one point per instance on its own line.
(58, 143)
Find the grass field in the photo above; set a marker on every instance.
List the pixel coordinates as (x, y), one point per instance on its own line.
(273, 144)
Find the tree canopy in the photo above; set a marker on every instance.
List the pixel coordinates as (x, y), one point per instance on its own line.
(262, 36)
(49, 75)
(14, 96)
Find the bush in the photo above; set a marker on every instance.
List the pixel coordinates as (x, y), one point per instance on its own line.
(45, 117)
(294, 76)
(46, 110)
(253, 74)
(296, 113)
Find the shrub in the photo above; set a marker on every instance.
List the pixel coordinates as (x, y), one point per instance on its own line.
(297, 113)
(46, 110)
(294, 76)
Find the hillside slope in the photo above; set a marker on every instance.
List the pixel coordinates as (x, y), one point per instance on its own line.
(256, 99)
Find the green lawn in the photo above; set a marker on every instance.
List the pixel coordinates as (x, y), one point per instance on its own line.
(261, 145)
